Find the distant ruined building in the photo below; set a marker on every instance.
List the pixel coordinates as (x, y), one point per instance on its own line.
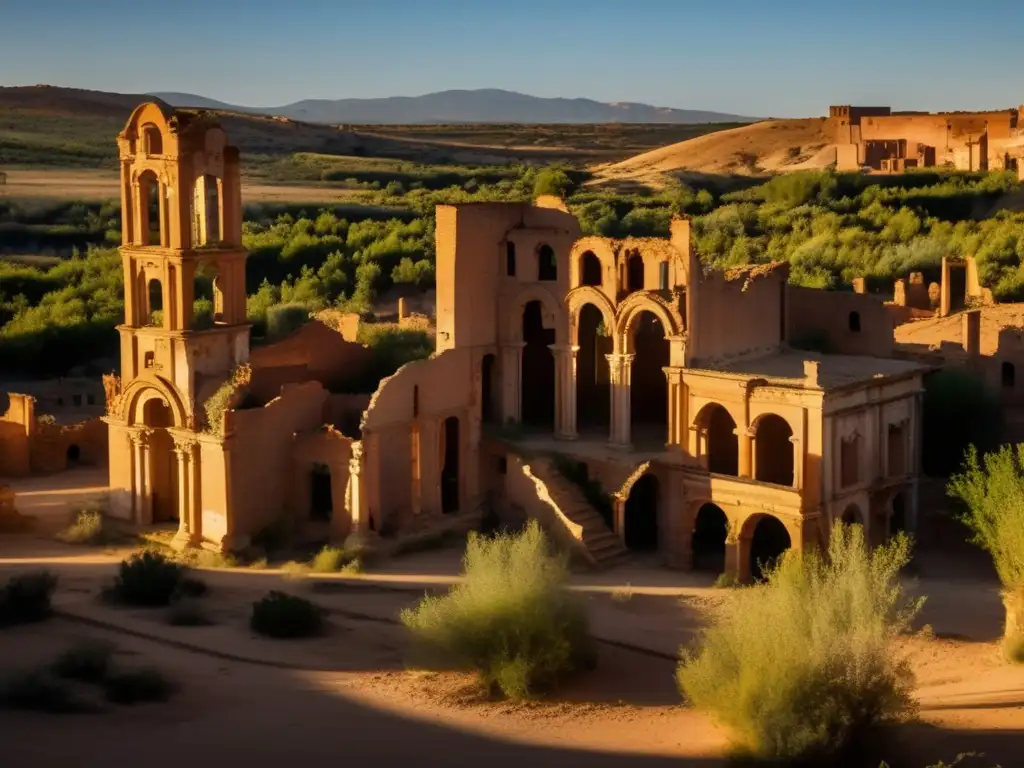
(883, 140)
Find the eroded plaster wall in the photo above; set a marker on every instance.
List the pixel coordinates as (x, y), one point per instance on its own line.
(849, 323)
(259, 442)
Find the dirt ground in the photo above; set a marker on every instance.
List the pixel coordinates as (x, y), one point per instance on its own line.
(348, 695)
(61, 184)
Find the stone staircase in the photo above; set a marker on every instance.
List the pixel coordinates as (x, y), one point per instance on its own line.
(594, 540)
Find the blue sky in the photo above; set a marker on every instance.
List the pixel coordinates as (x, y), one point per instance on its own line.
(769, 58)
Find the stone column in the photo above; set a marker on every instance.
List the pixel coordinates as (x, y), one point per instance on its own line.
(620, 368)
(185, 450)
(798, 462)
(565, 390)
(511, 379)
(359, 533)
(745, 438)
(142, 501)
(676, 416)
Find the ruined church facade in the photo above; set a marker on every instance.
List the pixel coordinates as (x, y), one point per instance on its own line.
(612, 389)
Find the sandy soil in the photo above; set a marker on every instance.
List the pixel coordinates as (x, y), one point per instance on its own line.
(100, 185)
(766, 147)
(251, 701)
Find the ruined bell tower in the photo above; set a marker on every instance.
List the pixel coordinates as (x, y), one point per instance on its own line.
(181, 222)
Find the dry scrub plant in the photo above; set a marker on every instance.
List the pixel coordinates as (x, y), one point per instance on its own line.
(992, 488)
(510, 619)
(798, 667)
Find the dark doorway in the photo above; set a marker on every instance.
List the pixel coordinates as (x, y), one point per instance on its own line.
(635, 273)
(648, 394)
(769, 542)
(450, 470)
(593, 383)
(852, 516)
(590, 269)
(773, 451)
(547, 266)
(487, 410)
(641, 517)
(537, 386)
(321, 505)
(73, 454)
(710, 530)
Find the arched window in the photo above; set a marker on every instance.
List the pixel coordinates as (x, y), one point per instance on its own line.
(547, 267)
(635, 272)
(155, 303)
(855, 322)
(1009, 375)
(590, 269)
(152, 140)
(663, 276)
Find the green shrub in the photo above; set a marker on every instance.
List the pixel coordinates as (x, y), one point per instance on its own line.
(27, 598)
(510, 619)
(285, 616)
(800, 666)
(147, 579)
(86, 529)
(137, 686)
(992, 491)
(36, 690)
(334, 559)
(88, 662)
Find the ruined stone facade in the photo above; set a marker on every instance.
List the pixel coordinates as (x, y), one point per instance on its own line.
(675, 393)
(883, 140)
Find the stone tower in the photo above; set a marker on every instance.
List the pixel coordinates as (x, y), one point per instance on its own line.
(181, 241)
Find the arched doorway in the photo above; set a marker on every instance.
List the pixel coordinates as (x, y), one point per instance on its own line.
(773, 451)
(73, 455)
(721, 445)
(898, 515)
(593, 381)
(710, 530)
(769, 541)
(590, 269)
(163, 467)
(547, 265)
(641, 515)
(450, 467)
(537, 385)
(648, 391)
(852, 516)
(488, 412)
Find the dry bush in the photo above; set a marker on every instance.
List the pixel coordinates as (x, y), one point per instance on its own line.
(510, 619)
(87, 529)
(800, 666)
(26, 599)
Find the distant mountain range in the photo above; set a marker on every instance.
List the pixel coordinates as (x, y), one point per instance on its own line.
(480, 106)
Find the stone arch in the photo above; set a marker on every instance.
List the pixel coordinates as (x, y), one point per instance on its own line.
(773, 450)
(630, 309)
(553, 315)
(709, 536)
(852, 515)
(135, 395)
(586, 294)
(720, 443)
(635, 271)
(153, 113)
(591, 271)
(148, 187)
(547, 263)
(603, 250)
(765, 538)
(592, 372)
(1008, 374)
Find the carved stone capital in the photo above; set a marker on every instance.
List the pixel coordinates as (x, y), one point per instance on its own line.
(140, 436)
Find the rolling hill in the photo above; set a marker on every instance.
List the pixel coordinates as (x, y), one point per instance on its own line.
(489, 105)
(771, 146)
